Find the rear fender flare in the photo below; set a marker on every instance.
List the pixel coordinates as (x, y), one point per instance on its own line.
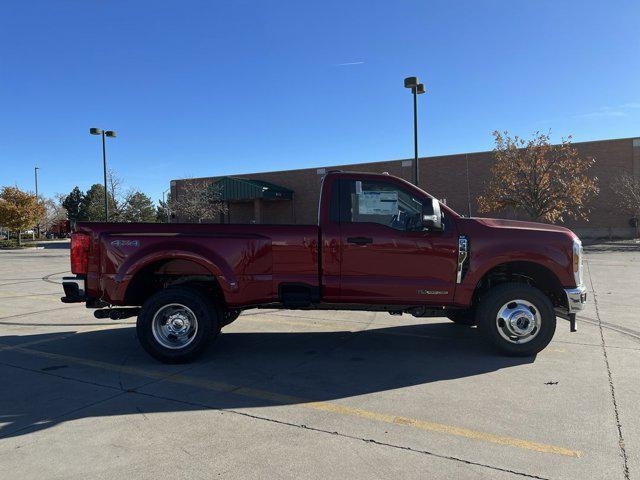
(211, 261)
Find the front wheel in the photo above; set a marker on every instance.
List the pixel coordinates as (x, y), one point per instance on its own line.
(176, 324)
(519, 320)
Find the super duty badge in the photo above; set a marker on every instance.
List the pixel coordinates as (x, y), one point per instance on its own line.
(125, 243)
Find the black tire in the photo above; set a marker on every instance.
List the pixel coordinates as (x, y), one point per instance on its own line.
(229, 316)
(197, 305)
(462, 317)
(507, 295)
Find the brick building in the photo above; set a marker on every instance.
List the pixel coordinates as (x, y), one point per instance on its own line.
(291, 196)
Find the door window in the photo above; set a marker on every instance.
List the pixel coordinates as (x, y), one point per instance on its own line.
(383, 203)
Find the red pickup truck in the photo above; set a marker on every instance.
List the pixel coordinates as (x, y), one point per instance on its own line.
(381, 244)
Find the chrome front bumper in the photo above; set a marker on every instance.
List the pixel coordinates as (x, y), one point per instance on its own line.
(576, 298)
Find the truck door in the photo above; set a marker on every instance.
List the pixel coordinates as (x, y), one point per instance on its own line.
(387, 256)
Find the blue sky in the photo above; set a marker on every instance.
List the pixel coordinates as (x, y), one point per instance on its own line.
(198, 88)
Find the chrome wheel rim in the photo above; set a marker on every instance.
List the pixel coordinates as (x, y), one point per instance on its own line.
(174, 326)
(518, 321)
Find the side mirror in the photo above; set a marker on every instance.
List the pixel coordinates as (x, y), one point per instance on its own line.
(432, 216)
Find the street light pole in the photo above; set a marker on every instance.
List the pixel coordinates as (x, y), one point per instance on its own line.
(104, 172)
(35, 171)
(415, 136)
(104, 133)
(417, 88)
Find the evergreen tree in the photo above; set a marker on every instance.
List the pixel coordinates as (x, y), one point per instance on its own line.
(163, 212)
(138, 207)
(72, 204)
(92, 206)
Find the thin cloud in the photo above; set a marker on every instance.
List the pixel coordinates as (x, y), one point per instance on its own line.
(607, 112)
(602, 113)
(348, 64)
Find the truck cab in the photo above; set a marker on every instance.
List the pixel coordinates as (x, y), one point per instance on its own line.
(385, 241)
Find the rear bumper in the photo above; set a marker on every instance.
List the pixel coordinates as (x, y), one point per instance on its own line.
(576, 298)
(74, 289)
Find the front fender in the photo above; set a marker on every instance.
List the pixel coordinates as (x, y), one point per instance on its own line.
(486, 256)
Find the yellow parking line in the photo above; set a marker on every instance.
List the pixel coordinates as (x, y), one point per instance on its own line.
(443, 428)
(321, 406)
(555, 349)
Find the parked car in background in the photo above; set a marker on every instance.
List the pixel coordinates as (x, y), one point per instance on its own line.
(61, 229)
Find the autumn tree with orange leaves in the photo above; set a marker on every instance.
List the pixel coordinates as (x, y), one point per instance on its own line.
(19, 210)
(547, 182)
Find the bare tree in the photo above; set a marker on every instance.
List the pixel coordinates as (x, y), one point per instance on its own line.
(627, 190)
(54, 212)
(114, 186)
(197, 201)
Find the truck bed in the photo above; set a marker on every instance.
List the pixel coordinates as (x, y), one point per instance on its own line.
(248, 261)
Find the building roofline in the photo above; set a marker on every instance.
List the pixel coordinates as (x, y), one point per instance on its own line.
(333, 167)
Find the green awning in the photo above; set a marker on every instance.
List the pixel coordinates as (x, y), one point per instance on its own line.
(242, 189)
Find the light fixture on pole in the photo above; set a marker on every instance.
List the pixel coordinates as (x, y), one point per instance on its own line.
(417, 88)
(104, 133)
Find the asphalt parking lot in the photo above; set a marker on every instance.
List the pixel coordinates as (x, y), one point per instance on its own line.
(288, 394)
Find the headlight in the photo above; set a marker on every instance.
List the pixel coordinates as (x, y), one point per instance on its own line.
(577, 261)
